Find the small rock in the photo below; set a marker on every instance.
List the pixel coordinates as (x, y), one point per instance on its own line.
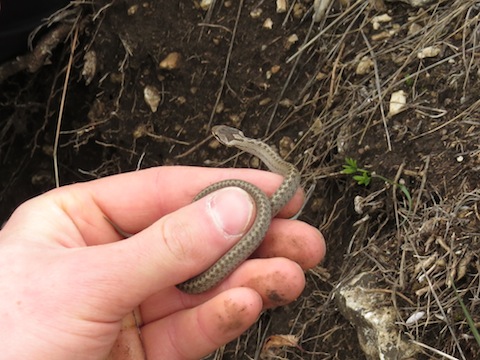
(381, 36)
(214, 144)
(152, 97)
(298, 10)
(256, 13)
(398, 101)
(429, 52)
(275, 69)
(364, 66)
(265, 101)
(281, 6)
(132, 10)
(286, 103)
(235, 119)
(414, 318)
(268, 24)
(414, 28)
(286, 145)
(292, 39)
(377, 20)
(172, 61)
(89, 66)
(205, 4)
(181, 100)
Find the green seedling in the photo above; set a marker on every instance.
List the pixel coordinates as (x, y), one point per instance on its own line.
(409, 80)
(471, 323)
(364, 177)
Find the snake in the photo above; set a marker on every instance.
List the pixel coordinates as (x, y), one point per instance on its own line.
(266, 207)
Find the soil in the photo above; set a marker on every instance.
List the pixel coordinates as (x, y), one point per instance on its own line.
(295, 84)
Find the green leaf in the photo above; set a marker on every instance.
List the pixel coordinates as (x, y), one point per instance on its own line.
(367, 181)
(362, 179)
(351, 163)
(405, 191)
(347, 169)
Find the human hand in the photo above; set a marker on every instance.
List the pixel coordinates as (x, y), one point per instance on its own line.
(66, 281)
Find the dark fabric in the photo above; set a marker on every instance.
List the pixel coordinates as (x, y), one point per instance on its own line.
(18, 18)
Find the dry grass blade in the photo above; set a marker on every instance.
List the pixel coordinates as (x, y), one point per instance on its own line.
(435, 351)
(62, 107)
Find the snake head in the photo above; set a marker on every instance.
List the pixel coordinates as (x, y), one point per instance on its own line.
(227, 135)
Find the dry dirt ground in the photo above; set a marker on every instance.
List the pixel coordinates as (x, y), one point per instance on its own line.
(318, 92)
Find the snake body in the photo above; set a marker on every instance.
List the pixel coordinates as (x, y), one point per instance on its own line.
(266, 208)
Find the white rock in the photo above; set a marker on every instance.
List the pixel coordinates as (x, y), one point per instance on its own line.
(281, 6)
(398, 101)
(256, 13)
(152, 97)
(364, 66)
(205, 4)
(377, 20)
(268, 24)
(414, 318)
(373, 315)
(428, 52)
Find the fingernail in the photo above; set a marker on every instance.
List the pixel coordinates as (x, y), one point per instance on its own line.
(231, 210)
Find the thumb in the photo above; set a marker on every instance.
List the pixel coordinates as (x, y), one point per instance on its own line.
(173, 249)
